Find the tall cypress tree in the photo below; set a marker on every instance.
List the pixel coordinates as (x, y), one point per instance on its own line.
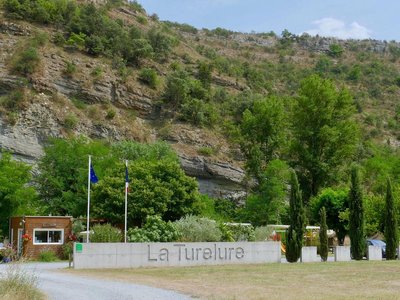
(294, 236)
(323, 236)
(391, 236)
(356, 219)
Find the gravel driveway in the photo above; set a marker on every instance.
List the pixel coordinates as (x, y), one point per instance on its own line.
(65, 286)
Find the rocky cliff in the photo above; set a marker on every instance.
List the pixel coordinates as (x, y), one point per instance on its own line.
(50, 96)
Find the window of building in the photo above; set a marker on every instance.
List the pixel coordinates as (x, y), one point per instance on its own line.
(48, 236)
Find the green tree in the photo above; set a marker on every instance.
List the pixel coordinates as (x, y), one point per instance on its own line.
(158, 187)
(177, 88)
(335, 203)
(160, 42)
(269, 204)
(391, 230)
(325, 135)
(205, 74)
(16, 197)
(136, 50)
(62, 176)
(356, 216)
(294, 236)
(263, 134)
(323, 236)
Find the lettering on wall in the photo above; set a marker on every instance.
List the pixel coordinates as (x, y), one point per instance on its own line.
(182, 252)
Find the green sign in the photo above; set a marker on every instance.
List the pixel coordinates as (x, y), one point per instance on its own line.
(78, 248)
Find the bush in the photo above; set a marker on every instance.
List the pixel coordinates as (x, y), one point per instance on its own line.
(206, 151)
(199, 113)
(110, 114)
(70, 121)
(241, 232)
(76, 41)
(198, 229)
(142, 20)
(335, 50)
(105, 234)
(160, 42)
(14, 101)
(47, 256)
(149, 77)
(26, 61)
(70, 68)
(8, 253)
(79, 104)
(59, 39)
(97, 72)
(154, 230)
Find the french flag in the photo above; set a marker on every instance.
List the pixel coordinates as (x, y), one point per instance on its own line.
(126, 178)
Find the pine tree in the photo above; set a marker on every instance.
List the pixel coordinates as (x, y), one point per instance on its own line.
(294, 237)
(356, 219)
(391, 236)
(323, 236)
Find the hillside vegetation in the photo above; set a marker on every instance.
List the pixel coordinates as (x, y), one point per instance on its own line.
(259, 101)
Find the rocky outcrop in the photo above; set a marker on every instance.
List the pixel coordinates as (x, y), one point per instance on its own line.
(322, 44)
(14, 29)
(25, 138)
(106, 90)
(217, 179)
(226, 83)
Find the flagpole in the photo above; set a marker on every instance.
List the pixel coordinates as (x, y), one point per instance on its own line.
(88, 204)
(126, 199)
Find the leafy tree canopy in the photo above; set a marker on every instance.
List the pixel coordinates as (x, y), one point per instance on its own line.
(16, 197)
(263, 130)
(335, 202)
(325, 135)
(269, 205)
(158, 185)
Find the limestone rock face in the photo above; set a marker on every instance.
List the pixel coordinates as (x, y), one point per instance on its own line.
(14, 29)
(217, 179)
(32, 128)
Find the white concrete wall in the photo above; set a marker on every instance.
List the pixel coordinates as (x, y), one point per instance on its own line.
(342, 253)
(309, 254)
(134, 255)
(374, 253)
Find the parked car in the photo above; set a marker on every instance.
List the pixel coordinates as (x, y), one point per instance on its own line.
(378, 243)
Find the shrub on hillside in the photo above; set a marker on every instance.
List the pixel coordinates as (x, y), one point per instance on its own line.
(198, 229)
(26, 61)
(14, 101)
(199, 113)
(149, 77)
(105, 234)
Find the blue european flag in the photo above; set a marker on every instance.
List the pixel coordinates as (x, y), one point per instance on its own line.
(93, 177)
(126, 175)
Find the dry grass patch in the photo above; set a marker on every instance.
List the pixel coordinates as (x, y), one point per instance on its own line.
(354, 280)
(18, 284)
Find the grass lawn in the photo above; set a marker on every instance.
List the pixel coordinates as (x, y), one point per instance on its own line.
(352, 280)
